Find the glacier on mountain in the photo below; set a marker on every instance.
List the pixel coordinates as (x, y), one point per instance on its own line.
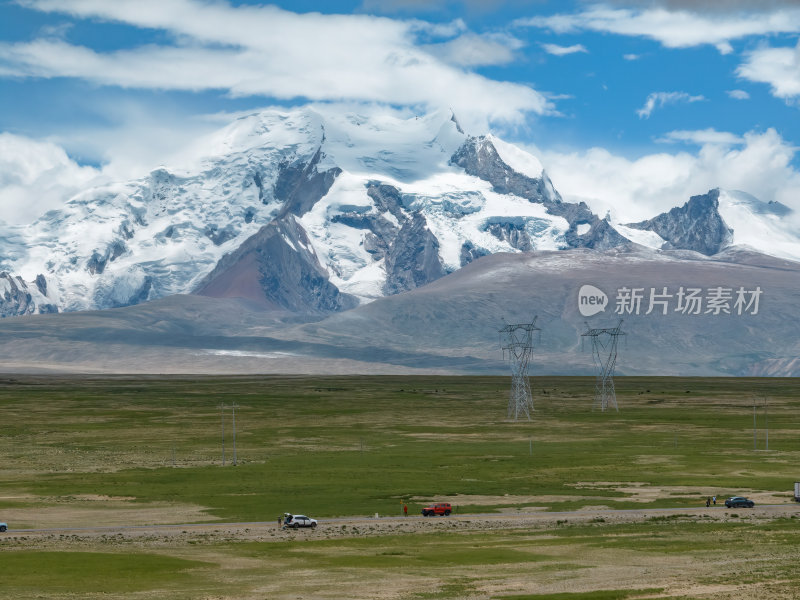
(318, 210)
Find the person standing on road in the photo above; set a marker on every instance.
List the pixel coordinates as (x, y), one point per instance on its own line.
(280, 521)
(714, 500)
(708, 502)
(405, 510)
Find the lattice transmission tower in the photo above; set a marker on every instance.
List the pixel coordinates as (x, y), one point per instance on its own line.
(604, 355)
(517, 343)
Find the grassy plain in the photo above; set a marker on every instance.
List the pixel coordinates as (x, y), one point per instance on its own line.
(76, 452)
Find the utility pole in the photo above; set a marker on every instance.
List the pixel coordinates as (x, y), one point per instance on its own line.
(233, 406)
(222, 423)
(755, 422)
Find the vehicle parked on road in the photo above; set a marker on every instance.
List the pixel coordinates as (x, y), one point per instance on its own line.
(3, 527)
(797, 491)
(296, 521)
(439, 508)
(739, 502)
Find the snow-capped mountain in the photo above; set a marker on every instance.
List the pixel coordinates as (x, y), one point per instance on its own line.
(360, 206)
(315, 210)
(721, 219)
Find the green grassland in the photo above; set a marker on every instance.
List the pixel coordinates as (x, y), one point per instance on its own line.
(298, 439)
(345, 446)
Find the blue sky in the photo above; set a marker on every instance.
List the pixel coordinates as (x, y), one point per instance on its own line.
(632, 106)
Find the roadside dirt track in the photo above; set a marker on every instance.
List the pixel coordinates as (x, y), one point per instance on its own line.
(386, 525)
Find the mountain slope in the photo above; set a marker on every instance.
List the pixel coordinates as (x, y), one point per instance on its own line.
(451, 325)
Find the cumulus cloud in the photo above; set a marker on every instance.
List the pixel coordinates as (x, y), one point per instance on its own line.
(778, 67)
(557, 50)
(36, 176)
(472, 50)
(660, 99)
(270, 52)
(673, 28)
(738, 94)
(633, 190)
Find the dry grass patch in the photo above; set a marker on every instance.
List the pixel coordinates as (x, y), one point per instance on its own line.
(99, 511)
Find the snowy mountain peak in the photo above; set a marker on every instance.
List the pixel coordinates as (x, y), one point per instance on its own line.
(731, 198)
(768, 227)
(718, 220)
(318, 209)
(697, 225)
(518, 160)
(300, 130)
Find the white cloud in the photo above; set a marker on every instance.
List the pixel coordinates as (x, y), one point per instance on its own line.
(36, 176)
(270, 52)
(711, 6)
(631, 56)
(557, 50)
(432, 5)
(673, 28)
(724, 47)
(738, 94)
(472, 50)
(702, 137)
(633, 190)
(660, 99)
(778, 67)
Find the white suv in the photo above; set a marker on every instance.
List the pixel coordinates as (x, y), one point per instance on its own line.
(3, 527)
(297, 521)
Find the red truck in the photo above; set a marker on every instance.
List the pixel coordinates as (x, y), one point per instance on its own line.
(439, 508)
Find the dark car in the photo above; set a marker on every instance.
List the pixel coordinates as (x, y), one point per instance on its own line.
(739, 502)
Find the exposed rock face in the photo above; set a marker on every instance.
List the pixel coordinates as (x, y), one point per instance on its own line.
(276, 268)
(413, 260)
(512, 232)
(387, 198)
(470, 252)
(301, 185)
(98, 261)
(17, 298)
(697, 225)
(381, 232)
(409, 249)
(478, 157)
(601, 236)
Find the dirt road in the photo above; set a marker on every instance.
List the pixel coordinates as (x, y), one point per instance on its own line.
(384, 525)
